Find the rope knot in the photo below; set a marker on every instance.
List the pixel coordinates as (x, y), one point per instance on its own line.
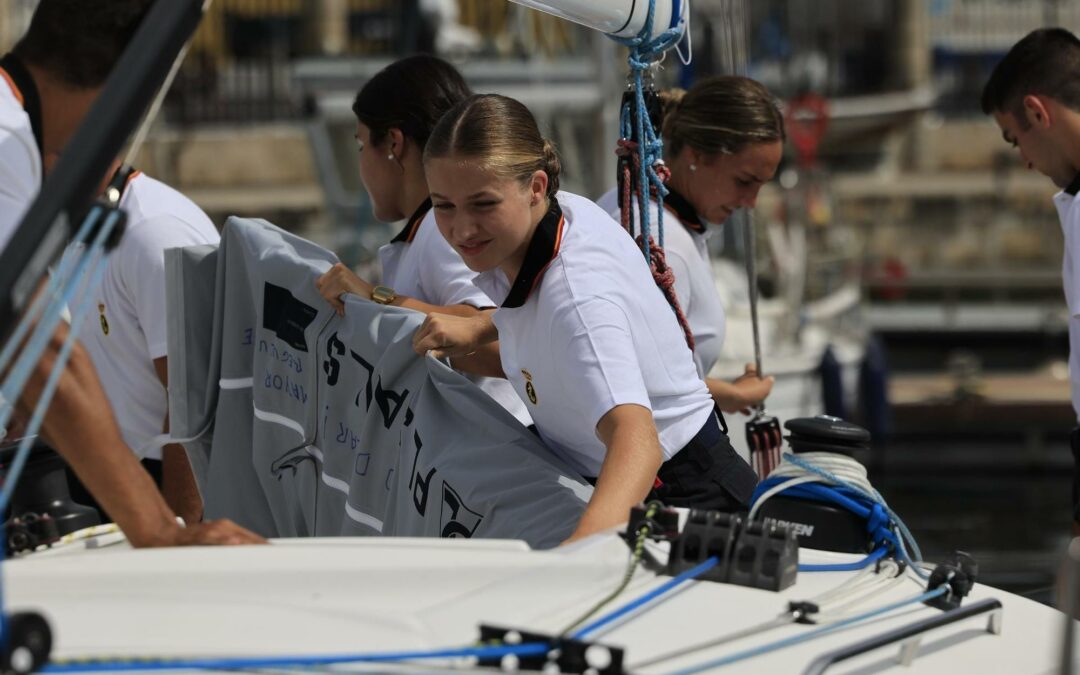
(626, 148)
(664, 278)
(879, 525)
(663, 171)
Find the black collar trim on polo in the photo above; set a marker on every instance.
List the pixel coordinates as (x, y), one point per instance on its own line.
(1074, 186)
(542, 250)
(684, 211)
(408, 233)
(20, 76)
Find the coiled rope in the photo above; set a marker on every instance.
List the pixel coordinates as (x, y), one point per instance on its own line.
(840, 480)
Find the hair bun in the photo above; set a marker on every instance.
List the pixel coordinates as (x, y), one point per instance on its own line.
(670, 100)
(552, 167)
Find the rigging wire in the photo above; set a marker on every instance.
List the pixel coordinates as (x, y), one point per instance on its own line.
(643, 532)
(300, 661)
(828, 607)
(648, 597)
(811, 634)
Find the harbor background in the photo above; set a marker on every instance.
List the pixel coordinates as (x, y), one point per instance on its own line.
(912, 202)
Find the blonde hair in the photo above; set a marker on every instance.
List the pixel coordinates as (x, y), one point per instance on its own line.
(501, 134)
(721, 114)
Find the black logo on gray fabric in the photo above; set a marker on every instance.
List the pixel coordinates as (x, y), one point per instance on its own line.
(388, 400)
(417, 483)
(457, 519)
(331, 366)
(291, 460)
(286, 316)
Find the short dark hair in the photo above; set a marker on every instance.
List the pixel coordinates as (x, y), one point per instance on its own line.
(411, 95)
(1045, 62)
(79, 41)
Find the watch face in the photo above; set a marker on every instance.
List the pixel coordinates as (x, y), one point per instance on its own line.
(383, 295)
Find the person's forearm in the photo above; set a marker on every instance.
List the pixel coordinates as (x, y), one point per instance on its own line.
(177, 480)
(725, 394)
(80, 426)
(426, 308)
(629, 470)
(178, 484)
(455, 336)
(485, 362)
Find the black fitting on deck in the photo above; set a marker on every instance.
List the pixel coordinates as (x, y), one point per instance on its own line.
(758, 555)
(958, 574)
(569, 655)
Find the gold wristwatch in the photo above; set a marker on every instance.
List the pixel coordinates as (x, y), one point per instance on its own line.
(383, 295)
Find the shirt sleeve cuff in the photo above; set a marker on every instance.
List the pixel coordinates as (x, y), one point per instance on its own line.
(157, 349)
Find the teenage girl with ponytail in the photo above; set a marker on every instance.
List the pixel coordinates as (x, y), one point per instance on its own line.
(586, 338)
(723, 140)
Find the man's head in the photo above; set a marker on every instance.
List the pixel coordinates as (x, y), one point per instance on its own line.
(70, 48)
(77, 42)
(1034, 96)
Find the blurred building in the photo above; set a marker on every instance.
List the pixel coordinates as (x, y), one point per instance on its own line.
(258, 120)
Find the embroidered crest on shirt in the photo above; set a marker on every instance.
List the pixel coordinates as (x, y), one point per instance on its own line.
(530, 390)
(104, 321)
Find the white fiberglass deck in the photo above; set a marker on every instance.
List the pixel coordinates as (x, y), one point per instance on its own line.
(364, 595)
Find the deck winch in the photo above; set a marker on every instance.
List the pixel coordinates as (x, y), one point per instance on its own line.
(819, 522)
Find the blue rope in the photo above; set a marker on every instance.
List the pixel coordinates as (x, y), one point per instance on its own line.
(92, 260)
(52, 290)
(529, 649)
(42, 406)
(809, 635)
(491, 652)
(645, 598)
(634, 121)
(59, 292)
(875, 497)
(885, 526)
(874, 556)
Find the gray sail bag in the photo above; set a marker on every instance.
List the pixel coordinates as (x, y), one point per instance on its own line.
(299, 422)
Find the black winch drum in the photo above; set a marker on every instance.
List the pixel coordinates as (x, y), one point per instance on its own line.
(822, 525)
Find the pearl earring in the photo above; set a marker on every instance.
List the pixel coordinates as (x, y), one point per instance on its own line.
(693, 167)
(390, 157)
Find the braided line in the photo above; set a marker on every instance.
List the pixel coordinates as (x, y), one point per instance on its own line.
(664, 278)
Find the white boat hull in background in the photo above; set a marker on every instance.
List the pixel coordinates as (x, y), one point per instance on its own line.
(793, 345)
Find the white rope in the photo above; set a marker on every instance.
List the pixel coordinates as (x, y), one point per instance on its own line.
(829, 468)
(841, 466)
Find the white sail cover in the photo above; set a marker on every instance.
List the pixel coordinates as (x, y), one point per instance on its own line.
(299, 422)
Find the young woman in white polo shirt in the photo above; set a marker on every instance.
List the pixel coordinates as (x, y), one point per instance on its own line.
(723, 140)
(396, 111)
(586, 338)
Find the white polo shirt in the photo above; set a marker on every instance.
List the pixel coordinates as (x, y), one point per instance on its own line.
(1068, 207)
(584, 328)
(609, 202)
(419, 263)
(686, 249)
(125, 329)
(20, 146)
